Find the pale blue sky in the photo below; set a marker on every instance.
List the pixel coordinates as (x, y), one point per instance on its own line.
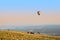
(46, 6)
(18, 7)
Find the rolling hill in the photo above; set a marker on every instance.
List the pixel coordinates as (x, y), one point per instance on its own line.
(15, 35)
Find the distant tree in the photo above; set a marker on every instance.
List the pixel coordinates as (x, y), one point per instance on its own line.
(38, 32)
(31, 32)
(27, 32)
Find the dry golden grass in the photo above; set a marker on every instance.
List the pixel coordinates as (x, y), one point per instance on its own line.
(15, 35)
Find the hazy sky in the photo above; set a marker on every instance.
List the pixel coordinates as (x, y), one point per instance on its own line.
(20, 12)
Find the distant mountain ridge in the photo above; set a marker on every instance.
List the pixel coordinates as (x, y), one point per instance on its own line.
(48, 29)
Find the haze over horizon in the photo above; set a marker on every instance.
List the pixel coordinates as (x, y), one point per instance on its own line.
(23, 12)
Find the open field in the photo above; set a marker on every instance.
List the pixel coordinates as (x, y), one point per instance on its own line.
(15, 35)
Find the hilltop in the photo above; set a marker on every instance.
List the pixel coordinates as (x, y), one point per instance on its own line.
(16, 35)
(46, 29)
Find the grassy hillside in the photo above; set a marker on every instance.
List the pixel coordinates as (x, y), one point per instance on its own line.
(15, 35)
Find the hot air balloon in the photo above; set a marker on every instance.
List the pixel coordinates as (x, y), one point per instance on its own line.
(38, 12)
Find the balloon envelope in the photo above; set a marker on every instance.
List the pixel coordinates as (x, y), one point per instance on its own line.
(38, 12)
